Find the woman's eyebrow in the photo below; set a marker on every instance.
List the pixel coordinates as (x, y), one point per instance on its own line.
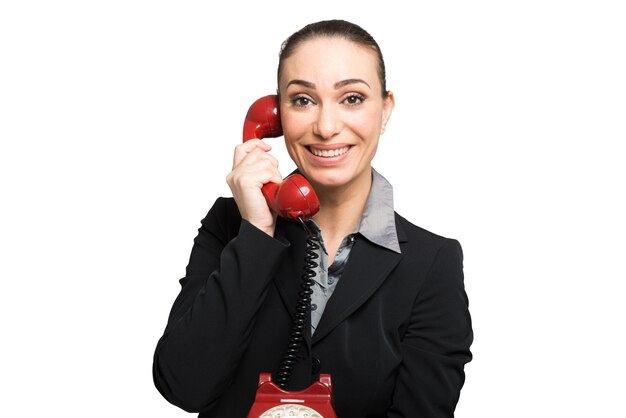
(343, 83)
(302, 83)
(338, 84)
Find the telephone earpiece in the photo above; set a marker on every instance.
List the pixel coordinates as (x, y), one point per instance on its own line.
(294, 197)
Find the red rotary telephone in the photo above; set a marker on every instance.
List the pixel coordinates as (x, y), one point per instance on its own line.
(294, 197)
(313, 402)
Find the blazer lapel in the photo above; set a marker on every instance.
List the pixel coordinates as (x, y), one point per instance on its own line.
(367, 268)
(289, 276)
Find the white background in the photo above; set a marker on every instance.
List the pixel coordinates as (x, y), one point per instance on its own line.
(117, 123)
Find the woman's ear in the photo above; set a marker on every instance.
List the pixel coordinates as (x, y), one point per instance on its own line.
(388, 105)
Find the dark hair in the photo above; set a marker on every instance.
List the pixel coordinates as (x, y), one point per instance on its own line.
(329, 29)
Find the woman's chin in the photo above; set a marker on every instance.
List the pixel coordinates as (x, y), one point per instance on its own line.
(329, 179)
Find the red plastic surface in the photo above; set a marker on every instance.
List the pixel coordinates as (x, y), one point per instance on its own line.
(318, 397)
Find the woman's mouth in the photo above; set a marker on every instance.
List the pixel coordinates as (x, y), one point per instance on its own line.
(328, 153)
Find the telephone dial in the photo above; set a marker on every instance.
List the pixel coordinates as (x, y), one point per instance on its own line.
(293, 199)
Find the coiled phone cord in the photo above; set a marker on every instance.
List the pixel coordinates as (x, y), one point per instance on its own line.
(303, 307)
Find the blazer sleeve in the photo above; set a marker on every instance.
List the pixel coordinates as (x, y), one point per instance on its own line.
(436, 345)
(211, 320)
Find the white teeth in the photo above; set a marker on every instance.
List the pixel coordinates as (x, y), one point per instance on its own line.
(329, 152)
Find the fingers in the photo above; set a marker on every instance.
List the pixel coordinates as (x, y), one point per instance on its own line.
(251, 159)
(251, 146)
(253, 166)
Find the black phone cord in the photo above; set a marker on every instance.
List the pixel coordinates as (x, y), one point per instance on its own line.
(303, 308)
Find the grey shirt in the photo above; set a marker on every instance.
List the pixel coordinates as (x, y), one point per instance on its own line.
(377, 225)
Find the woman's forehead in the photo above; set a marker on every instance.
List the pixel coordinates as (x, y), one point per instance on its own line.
(333, 57)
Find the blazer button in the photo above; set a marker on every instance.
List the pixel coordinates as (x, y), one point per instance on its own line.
(316, 365)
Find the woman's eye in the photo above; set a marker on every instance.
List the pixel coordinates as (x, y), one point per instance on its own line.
(354, 99)
(301, 101)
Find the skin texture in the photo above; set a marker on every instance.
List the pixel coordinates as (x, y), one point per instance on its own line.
(331, 102)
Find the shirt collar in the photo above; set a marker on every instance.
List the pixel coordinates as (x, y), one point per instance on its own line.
(378, 223)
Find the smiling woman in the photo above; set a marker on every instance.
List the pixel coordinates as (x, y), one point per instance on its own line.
(333, 115)
(385, 310)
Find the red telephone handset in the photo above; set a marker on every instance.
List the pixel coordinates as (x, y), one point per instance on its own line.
(294, 197)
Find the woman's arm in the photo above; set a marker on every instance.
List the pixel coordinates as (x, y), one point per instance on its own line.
(437, 343)
(211, 320)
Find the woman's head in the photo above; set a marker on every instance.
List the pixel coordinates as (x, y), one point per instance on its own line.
(333, 104)
(330, 29)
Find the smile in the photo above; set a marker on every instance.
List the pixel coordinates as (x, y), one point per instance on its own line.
(328, 152)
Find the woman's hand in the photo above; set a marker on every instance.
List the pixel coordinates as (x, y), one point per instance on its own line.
(252, 168)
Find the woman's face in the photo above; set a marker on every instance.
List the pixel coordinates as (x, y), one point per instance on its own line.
(333, 111)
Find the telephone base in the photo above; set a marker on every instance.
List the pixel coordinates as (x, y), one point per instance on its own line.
(312, 402)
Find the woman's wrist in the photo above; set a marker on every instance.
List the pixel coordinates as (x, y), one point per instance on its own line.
(269, 229)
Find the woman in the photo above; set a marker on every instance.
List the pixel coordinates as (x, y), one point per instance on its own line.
(389, 316)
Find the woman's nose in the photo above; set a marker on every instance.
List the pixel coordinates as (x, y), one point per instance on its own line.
(328, 123)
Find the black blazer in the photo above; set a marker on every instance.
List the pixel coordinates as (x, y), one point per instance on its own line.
(394, 336)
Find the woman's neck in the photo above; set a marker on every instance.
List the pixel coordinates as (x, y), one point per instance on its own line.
(341, 208)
